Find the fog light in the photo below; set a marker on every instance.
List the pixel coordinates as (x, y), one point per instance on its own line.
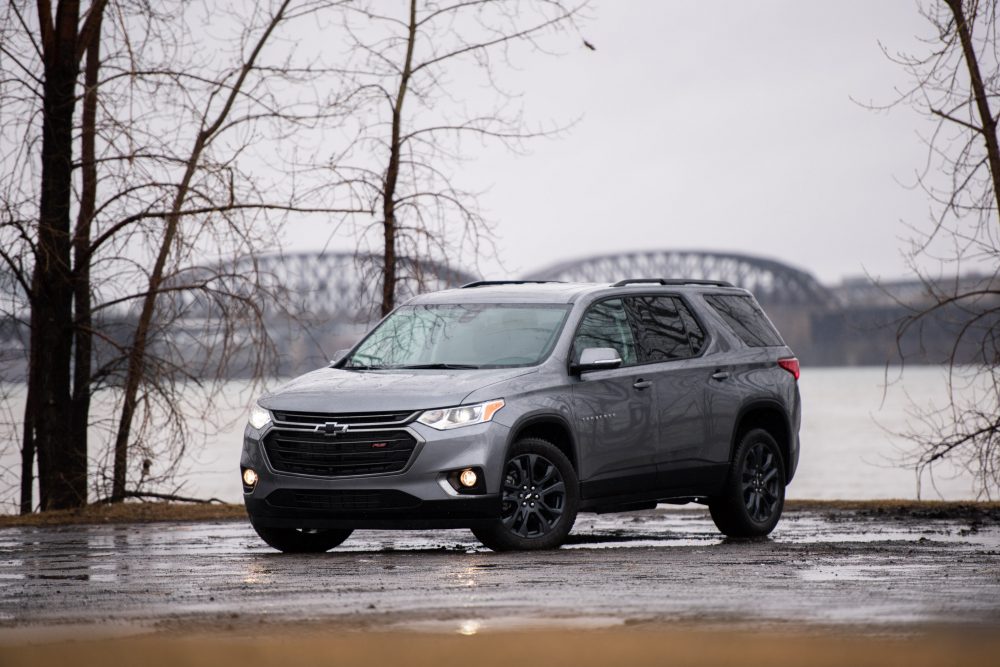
(250, 477)
(468, 478)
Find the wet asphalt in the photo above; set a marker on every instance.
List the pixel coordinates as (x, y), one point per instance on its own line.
(823, 567)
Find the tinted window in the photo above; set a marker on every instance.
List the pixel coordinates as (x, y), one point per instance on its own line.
(659, 328)
(695, 334)
(606, 325)
(746, 319)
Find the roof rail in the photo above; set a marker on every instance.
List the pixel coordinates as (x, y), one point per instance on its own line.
(486, 283)
(671, 281)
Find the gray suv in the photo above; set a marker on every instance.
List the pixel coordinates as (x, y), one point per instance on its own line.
(509, 407)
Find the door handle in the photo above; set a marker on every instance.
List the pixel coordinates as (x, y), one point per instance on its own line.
(720, 375)
(642, 384)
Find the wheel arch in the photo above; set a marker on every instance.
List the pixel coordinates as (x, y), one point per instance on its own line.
(550, 427)
(771, 416)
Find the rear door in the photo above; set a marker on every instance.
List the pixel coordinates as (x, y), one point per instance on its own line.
(669, 345)
(748, 367)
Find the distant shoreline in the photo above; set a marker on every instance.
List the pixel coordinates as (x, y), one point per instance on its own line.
(157, 512)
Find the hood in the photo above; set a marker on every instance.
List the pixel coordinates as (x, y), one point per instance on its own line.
(333, 390)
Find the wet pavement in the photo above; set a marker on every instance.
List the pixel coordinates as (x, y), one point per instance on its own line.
(824, 567)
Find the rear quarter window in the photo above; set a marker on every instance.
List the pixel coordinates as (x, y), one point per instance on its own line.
(746, 319)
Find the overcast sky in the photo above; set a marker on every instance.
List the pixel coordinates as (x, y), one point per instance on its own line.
(722, 125)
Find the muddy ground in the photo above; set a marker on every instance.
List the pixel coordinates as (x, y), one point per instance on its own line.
(869, 569)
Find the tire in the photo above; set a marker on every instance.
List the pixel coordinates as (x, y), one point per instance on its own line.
(539, 520)
(754, 494)
(301, 541)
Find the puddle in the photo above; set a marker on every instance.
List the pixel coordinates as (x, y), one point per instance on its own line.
(867, 572)
(629, 543)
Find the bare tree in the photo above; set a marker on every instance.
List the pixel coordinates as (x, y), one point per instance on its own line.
(956, 84)
(202, 188)
(211, 123)
(400, 75)
(187, 166)
(49, 69)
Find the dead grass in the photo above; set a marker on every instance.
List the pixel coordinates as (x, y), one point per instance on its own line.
(923, 508)
(890, 504)
(633, 646)
(130, 512)
(149, 512)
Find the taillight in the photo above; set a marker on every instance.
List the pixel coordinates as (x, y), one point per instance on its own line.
(791, 364)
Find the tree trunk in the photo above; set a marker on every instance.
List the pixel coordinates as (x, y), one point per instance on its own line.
(61, 468)
(989, 123)
(28, 444)
(82, 357)
(137, 351)
(389, 276)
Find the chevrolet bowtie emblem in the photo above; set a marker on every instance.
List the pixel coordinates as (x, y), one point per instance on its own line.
(331, 428)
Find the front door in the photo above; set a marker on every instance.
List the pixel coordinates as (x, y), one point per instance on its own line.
(614, 410)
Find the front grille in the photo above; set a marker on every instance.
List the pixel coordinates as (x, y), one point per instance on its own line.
(350, 501)
(350, 453)
(366, 418)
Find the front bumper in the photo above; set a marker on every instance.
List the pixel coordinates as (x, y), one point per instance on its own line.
(464, 512)
(415, 497)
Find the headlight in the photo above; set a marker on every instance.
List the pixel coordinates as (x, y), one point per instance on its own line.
(259, 417)
(463, 415)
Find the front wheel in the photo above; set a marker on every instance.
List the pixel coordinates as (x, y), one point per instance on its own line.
(300, 540)
(540, 497)
(754, 494)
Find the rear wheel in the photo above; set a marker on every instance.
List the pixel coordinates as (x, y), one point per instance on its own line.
(754, 494)
(300, 540)
(540, 497)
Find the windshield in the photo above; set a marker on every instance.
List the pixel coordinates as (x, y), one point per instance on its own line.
(479, 335)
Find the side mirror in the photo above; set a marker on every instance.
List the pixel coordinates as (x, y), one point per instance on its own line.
(339, 355)
(597, 359)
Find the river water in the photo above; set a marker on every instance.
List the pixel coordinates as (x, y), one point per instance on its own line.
(851, 442)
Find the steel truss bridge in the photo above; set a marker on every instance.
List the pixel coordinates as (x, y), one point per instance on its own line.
(771, 281)
(345, 287)
(334, 297)
(335, 287)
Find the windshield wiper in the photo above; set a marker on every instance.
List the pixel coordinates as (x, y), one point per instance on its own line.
(442, 366)
(363, 368)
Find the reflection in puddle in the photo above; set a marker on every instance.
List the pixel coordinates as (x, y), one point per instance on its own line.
(473, 626)
(859, 572)
(466, 577)
(256, 574)
(469, 628)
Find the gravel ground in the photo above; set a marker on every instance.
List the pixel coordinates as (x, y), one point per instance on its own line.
(875, 570)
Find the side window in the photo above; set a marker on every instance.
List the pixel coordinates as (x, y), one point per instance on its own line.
(746, 319)
(606, 325)
(659, 330)
(696, 336)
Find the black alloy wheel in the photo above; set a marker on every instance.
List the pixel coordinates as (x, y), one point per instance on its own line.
(534, 495)
(539, 499)
(754, 493)
(760, 482)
